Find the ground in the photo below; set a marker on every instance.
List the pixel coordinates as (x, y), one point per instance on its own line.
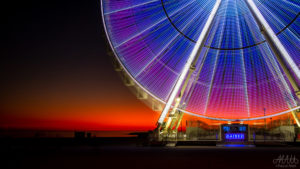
(65, 154)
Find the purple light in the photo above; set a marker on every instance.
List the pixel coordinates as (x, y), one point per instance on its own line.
(239, 77)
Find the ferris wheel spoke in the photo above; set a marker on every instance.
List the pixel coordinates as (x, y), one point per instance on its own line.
(131, 7)
(166, 46)
(153, 25)
(153, 39)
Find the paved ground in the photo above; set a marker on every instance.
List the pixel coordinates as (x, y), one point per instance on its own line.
(63, 156)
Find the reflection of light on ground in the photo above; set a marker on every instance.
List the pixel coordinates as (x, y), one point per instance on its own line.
(235, 145)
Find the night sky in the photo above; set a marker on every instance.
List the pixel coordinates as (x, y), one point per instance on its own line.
(56, 74)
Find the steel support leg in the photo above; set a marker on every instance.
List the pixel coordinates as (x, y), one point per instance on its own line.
(280, 52)
(194, 55)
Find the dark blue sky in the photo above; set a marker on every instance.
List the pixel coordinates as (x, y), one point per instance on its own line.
(55, 67)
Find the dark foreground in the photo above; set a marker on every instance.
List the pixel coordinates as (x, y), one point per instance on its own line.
(124, 153)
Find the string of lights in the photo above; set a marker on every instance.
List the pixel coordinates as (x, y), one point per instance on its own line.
(240, 76)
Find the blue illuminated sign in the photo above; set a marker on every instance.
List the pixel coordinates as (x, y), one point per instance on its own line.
(234, 136)
(234, 132)
(226, 128)
(242, 128)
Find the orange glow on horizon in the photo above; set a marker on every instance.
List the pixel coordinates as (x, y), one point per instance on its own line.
(65, 113)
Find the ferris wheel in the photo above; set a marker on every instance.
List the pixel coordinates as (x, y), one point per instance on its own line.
(225, 60)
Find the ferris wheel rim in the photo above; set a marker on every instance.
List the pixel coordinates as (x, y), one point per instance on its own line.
(185, 111)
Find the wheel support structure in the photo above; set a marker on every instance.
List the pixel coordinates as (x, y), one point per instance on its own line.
(284, 59)
(170, 126)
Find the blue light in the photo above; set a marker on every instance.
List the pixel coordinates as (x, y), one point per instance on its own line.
(234, 136)
(234, 145)
(152, 40)
(226, 128)
(242, 128)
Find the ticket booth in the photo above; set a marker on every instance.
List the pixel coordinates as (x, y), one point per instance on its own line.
(234, 133)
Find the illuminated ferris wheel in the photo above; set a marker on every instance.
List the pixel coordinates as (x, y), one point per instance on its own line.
(225, 60)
